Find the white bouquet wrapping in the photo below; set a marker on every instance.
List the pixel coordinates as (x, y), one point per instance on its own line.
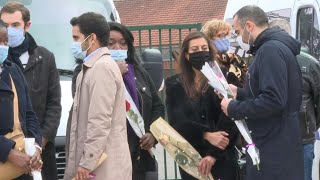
(219, 83)
(135, 119)
(30, 151)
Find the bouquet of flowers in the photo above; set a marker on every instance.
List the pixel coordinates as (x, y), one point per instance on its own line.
(178, 148)
(135, 119)
(219, 83)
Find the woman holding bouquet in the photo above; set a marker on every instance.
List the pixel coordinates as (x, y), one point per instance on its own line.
(218, 31)
(194, 111)
(144, 94)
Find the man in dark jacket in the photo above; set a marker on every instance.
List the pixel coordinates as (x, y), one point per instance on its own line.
(310, 106)
(28, 119)
(271, 99)
(39, 68)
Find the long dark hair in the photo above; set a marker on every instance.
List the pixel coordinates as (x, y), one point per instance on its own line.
(132, 57)
(187, 73)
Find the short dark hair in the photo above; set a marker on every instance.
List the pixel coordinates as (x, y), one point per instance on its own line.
(12, 7)
(252, 13)
(91, 22)
(127, 35)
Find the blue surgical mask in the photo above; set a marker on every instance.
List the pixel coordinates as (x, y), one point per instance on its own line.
(118, 55)
(15, 37)
(222, 45)
(3, 53)
(76, 49)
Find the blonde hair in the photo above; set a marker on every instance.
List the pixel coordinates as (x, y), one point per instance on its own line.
(282, 23)
(212, 27)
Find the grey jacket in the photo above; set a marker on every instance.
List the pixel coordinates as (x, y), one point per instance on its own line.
(310, 106)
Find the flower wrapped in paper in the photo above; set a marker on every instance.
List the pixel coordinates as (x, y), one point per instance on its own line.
(217, 80)
(178, 148)
(135, 119)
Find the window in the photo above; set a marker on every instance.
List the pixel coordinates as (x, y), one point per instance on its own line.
(308, 31)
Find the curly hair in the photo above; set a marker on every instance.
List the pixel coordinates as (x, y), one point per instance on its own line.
(212, 27)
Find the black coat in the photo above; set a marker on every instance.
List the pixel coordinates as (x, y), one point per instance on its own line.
(43, 81)
(28, 118)
(310, 106)
(270, 102)
(151, 108)
(191, 118)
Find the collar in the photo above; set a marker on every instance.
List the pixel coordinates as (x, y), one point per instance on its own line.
(92, 58)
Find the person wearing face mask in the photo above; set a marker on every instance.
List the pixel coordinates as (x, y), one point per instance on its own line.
(98, 124)
(194, 111)
(145, 96)
(309, 114)
(40, 71)
(271, 98)
(13, 89)
(218, 32)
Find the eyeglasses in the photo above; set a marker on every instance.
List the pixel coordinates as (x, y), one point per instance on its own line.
(222, 36)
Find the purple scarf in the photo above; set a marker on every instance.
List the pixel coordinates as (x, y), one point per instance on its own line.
(129, 81)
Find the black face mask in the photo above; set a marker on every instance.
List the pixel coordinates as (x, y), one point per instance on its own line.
(198, 59)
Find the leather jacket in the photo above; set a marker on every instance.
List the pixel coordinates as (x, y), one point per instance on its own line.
(310, 106)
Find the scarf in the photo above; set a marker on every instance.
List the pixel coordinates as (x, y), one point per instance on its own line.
(129, 81)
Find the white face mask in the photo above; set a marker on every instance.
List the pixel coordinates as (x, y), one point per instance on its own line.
(243, 45)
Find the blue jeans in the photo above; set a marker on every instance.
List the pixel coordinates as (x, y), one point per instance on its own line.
(308, 151)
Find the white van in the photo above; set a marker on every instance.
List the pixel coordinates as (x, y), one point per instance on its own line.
(50, 26)
(304, 17)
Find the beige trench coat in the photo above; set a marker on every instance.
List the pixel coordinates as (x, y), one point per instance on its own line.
(99, 121)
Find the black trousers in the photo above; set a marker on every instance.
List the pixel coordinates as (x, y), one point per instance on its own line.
(49, 168)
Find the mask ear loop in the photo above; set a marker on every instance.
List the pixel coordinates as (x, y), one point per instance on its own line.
(244, 28)
(85, 40)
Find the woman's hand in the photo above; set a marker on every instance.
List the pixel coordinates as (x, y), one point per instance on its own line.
(206, 164)
(36, 161)
(147, 141)
(218, 139)
(21, 160)
(123, 66)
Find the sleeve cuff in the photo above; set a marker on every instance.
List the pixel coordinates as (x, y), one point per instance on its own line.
(231, 110)
(90, 160)
(5, 145)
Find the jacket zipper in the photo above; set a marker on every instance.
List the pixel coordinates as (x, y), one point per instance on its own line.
(250, 85)
(305, 119)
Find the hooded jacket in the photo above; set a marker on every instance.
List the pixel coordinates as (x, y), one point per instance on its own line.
(270, 102)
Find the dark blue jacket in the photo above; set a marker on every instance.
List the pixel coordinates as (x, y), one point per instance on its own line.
(28, 119)
(270, 102)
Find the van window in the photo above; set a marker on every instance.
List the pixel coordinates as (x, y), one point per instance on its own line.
(308, 31)
(50, 23)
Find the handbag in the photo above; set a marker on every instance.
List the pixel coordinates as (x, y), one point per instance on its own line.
(8, 170)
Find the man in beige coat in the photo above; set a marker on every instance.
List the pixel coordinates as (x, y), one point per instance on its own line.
(99, 117)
